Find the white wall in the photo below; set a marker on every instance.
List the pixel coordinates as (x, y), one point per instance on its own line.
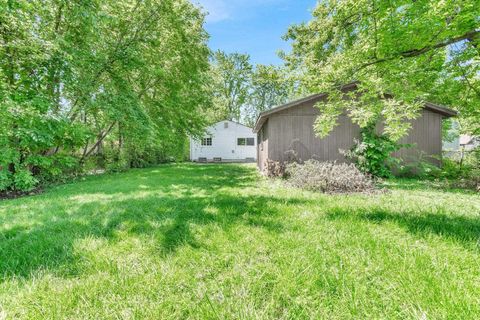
(224, 143)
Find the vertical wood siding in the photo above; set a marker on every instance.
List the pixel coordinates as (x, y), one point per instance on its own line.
(262, 146)
(426, 136)
(292, 129)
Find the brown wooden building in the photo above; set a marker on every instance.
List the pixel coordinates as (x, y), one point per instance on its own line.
(289, 128)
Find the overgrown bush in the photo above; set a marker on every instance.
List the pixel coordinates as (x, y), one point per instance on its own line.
(421, 166)
(464, 175)
(329, 177)
(274, 169)
(470, 181)
(372, 154)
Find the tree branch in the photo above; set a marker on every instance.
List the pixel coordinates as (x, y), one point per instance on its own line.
(102, 137)
(417, 52)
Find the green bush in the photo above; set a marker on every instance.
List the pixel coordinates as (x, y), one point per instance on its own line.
(24, 180)
(5, 180)
(372, 154)
(115, 160)
(421, 166)
(452, 169)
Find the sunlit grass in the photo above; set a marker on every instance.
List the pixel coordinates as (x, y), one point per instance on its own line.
(219, 241)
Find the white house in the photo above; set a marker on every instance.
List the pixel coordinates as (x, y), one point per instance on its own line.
(225, 141)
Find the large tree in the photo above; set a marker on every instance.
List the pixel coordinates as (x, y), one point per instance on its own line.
(78, 75)
(232, 78)
(409, 51)
(270, 86)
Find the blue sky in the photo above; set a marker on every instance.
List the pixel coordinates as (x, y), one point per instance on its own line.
(253, 26)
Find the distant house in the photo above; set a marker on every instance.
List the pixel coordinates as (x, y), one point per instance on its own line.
(461, 143)
(289, 128)
(225, 141)
(468, 143)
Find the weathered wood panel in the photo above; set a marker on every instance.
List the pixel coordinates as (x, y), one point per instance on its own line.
(262, 146)
(292, 130)
(426, 138)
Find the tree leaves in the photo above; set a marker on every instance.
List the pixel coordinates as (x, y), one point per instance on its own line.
(83, 76)
(412, 51)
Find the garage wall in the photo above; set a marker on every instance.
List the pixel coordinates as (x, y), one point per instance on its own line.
(292, 129)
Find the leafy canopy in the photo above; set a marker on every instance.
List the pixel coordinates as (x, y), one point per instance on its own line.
(83, 79)
(412, 51)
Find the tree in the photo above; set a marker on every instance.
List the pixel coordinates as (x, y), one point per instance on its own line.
(80, 78)
(401, 52)
(270, 86)
(232, 75)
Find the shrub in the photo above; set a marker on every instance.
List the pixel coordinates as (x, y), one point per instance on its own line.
(420, 166)
(471, 182)
(5, 179)
(329, 177)
(451, 169)
(372, 154)
(274, 169)
(24, 180)
(114, 160)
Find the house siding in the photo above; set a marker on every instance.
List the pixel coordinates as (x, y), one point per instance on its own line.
(426, 138)
(292, 129)
(224, 143)
(262, 146)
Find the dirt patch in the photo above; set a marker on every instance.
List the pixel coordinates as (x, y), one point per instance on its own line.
(4, 195)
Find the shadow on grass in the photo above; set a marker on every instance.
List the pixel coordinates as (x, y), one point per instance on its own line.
(169, 218)
(461, 229)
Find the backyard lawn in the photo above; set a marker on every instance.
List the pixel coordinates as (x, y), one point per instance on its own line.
(221, 242)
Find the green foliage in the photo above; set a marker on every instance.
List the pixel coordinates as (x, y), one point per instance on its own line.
(232, 78)
(413, 51)
(373, 153)
(452, 169)
(79, 76)
(24, 180)
(421, 167)
(5, 179)
(242, 91)
(270, 86)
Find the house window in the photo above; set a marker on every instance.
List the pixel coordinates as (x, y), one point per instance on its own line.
(206, 141)
(225, 125)
(246, 141)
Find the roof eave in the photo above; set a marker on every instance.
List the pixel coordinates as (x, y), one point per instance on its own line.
(444, 111)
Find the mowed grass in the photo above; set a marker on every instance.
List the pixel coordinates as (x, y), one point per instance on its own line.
(221, 242)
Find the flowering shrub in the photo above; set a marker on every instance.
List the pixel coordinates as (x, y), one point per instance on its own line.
(329, 177)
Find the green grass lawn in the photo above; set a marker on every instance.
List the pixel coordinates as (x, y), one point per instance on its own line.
(220, 242)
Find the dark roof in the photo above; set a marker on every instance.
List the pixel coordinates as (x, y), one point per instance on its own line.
(442, 110)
